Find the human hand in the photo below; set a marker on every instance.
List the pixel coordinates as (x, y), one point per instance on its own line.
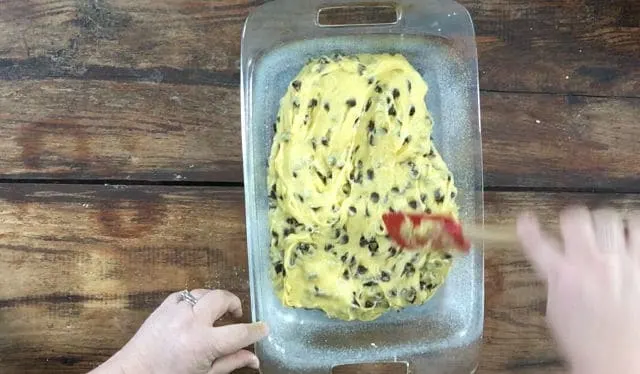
(178, 338)
(593, 279)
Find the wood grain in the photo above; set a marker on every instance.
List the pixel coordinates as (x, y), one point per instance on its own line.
(561, 141)
(88, 263)
(132, 131)
(570, 46)
(84, 265)
(111, 130)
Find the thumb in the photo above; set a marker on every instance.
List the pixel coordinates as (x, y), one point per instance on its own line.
(538, 247)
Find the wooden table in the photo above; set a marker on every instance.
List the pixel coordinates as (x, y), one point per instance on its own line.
(121, 165)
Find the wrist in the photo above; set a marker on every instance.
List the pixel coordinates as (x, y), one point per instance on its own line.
(119, 363)
(612, 366)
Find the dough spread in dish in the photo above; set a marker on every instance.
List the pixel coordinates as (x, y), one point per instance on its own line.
(352, 141)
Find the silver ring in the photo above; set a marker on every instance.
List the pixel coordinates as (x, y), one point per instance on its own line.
(188, 297)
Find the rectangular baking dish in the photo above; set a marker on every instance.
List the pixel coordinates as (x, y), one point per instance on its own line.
(437, 37)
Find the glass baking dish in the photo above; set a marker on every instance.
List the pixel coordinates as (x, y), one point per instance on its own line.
(437, 37)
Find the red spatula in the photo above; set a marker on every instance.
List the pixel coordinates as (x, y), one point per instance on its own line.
(441, 232)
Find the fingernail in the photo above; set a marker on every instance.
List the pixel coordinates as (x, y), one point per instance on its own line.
(259, 329)
(255, 363)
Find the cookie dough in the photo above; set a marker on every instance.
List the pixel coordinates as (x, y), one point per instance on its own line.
(352, 141)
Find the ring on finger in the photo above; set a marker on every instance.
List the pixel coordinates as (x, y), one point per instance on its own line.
(188, 297)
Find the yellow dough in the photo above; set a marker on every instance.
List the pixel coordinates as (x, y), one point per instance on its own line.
(353, 141)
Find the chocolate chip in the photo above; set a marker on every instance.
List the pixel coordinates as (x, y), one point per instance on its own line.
(328, 247)
(296, 85)
(423, 198)
(352, 263)
(366, 212)
(351, 103)
(344, 239)
(371, 80)
(313, 103)
(301, 198)
(370, 174)
(353, 210)
(295, 175)
(346, 188)
(363, 242)
(303, 247)
(396, 93)
(344, 257)
(279, 268)
(345, 274)
(379, 89)
(338, 233)
(362, 270)
(447, 256)
(392, 111)
(412, 111)
(392, 251)
(375, 197)
(411, 295)
(384, 276)
(373, 247)
(358, 178)
(368, 304)
(406, 140)
(287, 232)
(372, 126)
(388, 100)
(413, 204)
(371, 140)
(408, 270)
(453, 194)
(327, 107)
(292, 221)
(409, 85)
(438, 196)
(322, 177)
(395, 190)
(368, 106)
(275, 127)
(369, 284)
(325, 141)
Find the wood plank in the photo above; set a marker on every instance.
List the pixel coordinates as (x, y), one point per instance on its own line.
(561, 141)
(111, 130)
(570, 46)
(164, 132)
(88, 263)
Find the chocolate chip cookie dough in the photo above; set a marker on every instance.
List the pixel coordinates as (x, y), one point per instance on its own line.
(352, 141)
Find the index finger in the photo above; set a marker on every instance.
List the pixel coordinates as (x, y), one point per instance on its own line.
(228, 339)
(539, 248)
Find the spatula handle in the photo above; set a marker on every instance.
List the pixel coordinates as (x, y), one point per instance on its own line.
(492, 233)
